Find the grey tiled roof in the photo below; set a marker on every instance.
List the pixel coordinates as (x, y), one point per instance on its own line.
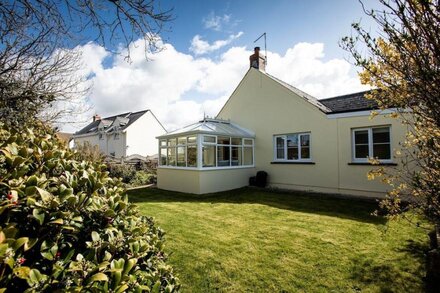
(349, 103)
(128, 117)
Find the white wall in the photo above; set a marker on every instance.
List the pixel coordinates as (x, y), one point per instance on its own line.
(141, 135)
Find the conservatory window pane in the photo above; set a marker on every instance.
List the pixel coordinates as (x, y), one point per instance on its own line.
(209, 139)
(248, 156)
(181, 141)
(192, 139)
(223, 156)
(223, 140)
(172, 142)
(171, 156)
(163, 156)
(192, 156)
(181, 162)
(163, 142)
(208, 156)
(236, 153)
(236, 141)
(247, 141)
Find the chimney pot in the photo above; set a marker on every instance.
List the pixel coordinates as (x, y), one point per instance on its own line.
(257, 61)
(96, 117)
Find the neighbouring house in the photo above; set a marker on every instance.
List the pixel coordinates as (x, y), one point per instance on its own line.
(123, 135)
(301, 142)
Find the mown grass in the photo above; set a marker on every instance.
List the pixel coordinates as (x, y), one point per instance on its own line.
(251, 240)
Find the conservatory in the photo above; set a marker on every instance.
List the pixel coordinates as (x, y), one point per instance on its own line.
(209, 156)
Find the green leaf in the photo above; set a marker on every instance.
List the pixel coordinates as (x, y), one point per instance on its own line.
(22, 272)
(57, 221)
(156, 287)
(45, 196)
(98, 277)
(38, 215)
(95, 236)
(28, 245)
(19, 242)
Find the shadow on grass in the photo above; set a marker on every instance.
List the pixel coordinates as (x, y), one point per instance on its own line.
(390, 277)
(354, 209)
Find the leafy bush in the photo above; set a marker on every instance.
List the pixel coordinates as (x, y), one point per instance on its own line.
(65, 225)
(87, 152)
(124, 171)
(143, 178)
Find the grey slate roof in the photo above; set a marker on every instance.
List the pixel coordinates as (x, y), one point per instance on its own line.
(349, 103)
(128, 117)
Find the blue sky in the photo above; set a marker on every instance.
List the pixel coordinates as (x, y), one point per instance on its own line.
(286, 22)
(206, 50)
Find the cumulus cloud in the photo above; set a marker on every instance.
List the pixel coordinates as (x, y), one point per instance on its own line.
(216, 22)
(200, 46)
(180, 88)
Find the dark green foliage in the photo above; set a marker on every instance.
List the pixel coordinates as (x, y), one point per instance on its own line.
(65, 225)
(123, 171)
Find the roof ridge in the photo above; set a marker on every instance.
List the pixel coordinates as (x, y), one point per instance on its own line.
(124, 114)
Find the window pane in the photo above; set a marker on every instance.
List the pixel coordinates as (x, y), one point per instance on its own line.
(163, 142)
(305, 139)
(208, 156)
(292, 153)
(247, 156)
(280, 142)
(361, 136)
(163, 156)
(361, 151)
(382, 151)
(181, 156)
(292, 140)
(181, 140)
(192, 156)
(305, 152)
(172, 142)
(223, 156)
(236, 141)
(192, 139)
(381, 134)
(172, 156)
(247, 141)
(223, 140)
(210, 139)
(236, 156)
(280, 153)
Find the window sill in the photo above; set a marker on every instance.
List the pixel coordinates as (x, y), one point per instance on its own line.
(369, 164)
(293, 163)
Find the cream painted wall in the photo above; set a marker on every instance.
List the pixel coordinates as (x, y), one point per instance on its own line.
(178, 180)
(203, 181)
(107, 144)
(268, 108)
(141, 135)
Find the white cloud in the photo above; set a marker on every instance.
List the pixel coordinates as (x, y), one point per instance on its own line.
(199, 46)
(180, 88)
(216, 22)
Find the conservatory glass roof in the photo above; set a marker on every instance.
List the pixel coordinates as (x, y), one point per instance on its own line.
(211, 126)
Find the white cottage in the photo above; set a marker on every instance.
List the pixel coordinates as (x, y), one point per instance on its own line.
(123, 135)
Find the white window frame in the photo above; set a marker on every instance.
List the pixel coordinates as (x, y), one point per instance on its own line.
(284, 136)
(200, 143)
(370, 144)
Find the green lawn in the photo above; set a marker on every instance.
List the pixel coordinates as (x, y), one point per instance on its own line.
(250, 240)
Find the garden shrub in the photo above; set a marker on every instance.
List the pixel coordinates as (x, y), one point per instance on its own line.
(124, 171)
(65, 225)
(142, 178)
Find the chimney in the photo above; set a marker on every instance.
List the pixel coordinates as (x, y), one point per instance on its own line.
(257, 61)
(96, 117)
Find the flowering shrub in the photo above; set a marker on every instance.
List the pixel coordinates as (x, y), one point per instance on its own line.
(65, 225)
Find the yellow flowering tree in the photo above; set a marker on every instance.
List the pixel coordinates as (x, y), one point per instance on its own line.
(403, 67)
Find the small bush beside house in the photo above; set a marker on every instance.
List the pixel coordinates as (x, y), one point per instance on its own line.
(65, 225)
